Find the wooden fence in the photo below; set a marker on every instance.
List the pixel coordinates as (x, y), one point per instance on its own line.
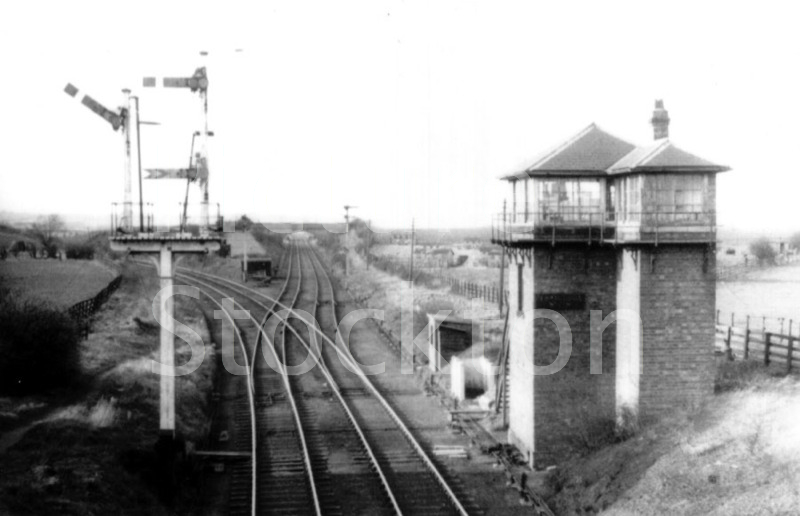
(83, 311)
(760, 342)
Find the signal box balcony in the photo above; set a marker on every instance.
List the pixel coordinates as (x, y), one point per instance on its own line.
(576, 225)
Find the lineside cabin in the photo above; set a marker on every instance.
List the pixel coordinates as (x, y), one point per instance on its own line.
(257, 269)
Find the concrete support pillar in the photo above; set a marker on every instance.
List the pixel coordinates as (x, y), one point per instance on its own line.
(167, 355)
(457, 381)
(629, 335)
(520, 358)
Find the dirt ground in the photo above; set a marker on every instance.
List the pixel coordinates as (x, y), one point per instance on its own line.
(90, 449)
(738, 454)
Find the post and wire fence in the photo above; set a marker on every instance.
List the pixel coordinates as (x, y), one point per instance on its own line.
(82, 311)
(430, 275)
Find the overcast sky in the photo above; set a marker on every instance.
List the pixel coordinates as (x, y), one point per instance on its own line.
(404, 108)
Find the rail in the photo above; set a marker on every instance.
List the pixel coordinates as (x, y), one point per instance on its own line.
(326, 373)
(344, 351)
(262, 337)
(352, 365)
(250, 385)
(250, 402)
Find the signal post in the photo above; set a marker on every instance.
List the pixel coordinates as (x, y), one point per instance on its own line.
(161, 248)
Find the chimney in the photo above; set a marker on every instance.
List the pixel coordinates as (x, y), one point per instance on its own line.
(660, 121)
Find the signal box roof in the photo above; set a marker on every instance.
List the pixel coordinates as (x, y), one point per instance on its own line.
(663, 156)
(590, 152)
(594, 152)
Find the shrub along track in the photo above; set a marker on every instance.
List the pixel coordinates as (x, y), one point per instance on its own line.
(328, 440)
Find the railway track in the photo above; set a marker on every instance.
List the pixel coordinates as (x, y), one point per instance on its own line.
(327, 440)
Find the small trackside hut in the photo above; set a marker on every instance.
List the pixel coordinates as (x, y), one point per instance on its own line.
(256, 269)
(599, 226)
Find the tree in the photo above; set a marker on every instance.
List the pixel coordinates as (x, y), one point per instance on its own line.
(763, 251)
(46, 230)
(794, 240)
(245, 223)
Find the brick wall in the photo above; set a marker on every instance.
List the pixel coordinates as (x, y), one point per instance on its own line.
(675, 298)
(573, 398)
(677, 306)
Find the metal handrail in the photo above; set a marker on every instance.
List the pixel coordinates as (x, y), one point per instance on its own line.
(158, 219)
(503, 224)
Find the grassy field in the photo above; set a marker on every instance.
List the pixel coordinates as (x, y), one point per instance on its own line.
(771, 292)
(61, 283)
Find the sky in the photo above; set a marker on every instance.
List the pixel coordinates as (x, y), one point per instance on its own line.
(407, 109)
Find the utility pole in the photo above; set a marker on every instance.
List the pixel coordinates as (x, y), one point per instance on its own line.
(347, 209)
(346, 238)
(244, 257)
(411, 276)
(502, 265)
(369, 241)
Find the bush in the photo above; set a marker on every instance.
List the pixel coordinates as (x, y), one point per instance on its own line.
(39, 346)
(763, 251)
(224, 250)
(80, 250)
(741, 374)
(592, 433)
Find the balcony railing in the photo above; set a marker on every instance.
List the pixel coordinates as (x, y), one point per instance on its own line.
(160, 219)
(687, 223)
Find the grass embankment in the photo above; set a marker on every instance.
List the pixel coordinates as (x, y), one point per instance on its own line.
(739, 454)
(95, 455)
(384, 291)
(59, 283)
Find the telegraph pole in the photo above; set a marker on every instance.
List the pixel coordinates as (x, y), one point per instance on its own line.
(502, 265)
(411, 278)
(347, 209)
(369, 241)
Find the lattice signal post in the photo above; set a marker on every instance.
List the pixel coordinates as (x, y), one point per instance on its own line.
(162, 249)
